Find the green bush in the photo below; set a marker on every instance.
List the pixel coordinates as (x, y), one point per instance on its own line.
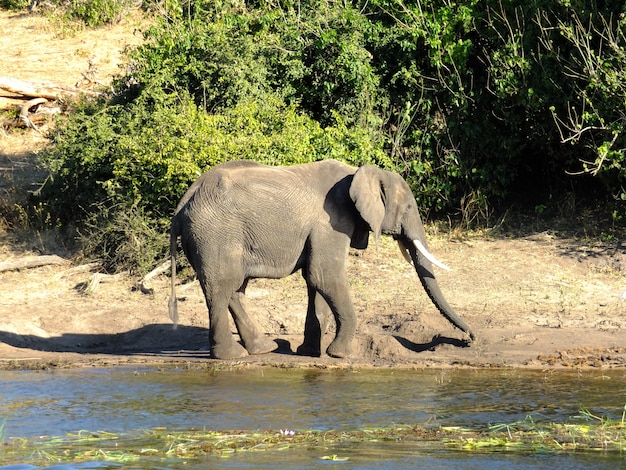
(499, 100)
(474, 103)
(123, 238)
(92, 13)
(14, 4)
(115, 163)
(96, 13)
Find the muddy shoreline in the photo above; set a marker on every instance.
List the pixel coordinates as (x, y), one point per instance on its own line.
(535, 302)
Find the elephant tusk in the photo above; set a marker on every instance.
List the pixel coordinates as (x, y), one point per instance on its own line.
(422, 249)
(405, 253)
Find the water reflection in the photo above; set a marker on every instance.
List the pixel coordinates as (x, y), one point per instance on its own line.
(121, 399)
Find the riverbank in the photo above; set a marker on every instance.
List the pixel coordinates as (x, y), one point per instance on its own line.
(537, 301)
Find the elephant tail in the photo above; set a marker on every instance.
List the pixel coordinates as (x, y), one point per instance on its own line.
(173, 302)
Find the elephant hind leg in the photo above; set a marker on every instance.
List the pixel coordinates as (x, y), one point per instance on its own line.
(222, 344)
(252, 338)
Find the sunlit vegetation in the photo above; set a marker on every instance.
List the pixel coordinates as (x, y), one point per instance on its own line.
(480, 105)
(584, 433)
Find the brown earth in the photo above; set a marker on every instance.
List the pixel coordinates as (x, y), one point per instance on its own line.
(536, 301)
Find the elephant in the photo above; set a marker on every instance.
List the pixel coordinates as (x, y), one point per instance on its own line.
(243, 220)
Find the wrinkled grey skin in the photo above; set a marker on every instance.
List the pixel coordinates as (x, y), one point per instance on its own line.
(242, 220)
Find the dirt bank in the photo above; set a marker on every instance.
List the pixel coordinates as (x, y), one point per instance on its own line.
(537, 302)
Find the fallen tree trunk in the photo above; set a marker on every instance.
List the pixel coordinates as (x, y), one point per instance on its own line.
(11, 103)
(31, 89)
(27, 117)
(32, 262)
(24, 112)
(143, 283)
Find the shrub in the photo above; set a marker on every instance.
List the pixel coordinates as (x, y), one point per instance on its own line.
(472, 102)
(96, 13)
(130, 163)
(91, 13)
(14, 4)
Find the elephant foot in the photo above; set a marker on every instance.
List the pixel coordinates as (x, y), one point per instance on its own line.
(338, 350)
(228, 351)
(308, 350)
(261, 345)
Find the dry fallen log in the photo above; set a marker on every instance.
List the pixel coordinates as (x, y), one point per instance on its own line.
(143, 283)
(24, 112)
(7, 104)
(27, 119)
(48, 90)
(91, 286)
(27, 95)
(32, 262)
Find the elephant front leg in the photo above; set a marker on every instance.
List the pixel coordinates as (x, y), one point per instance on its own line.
(341, 346)
(337, 296)
(253, 340)
(317, 315)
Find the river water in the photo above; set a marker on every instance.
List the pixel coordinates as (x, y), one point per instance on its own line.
(126, 399)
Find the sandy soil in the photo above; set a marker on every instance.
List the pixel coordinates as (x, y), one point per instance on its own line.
(537, 301)
(37, 48)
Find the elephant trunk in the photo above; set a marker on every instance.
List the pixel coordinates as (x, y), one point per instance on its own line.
(423, 262)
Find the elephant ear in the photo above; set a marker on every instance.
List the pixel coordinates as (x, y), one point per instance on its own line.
(366, 192)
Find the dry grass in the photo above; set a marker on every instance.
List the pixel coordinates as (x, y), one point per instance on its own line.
(35, 48)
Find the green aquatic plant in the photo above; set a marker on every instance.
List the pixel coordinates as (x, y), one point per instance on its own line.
(583, 433)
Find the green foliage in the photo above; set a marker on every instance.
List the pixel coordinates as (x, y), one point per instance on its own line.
(475, 103)
(91, 13)
(14, 4)
(96, 13)
(425, 52)
(314, 57)
(210, 56)
(593, 115)
(496, 89)
(124, 237)
(122, 169)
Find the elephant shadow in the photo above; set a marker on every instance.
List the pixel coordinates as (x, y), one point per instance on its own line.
(431, 345)
(155, 339)
(284, 346)
(162, 340)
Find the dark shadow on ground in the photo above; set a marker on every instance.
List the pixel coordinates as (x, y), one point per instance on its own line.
(163, 340)
(283, 347)
(159, 339)
(432, 344)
